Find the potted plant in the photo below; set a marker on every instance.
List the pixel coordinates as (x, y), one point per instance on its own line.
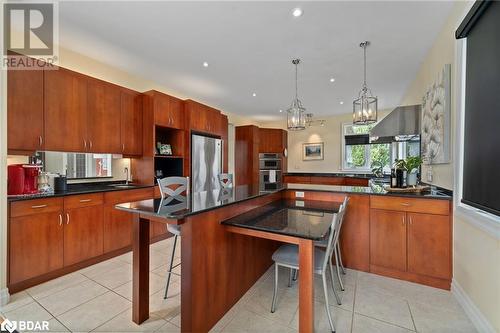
(412, 164)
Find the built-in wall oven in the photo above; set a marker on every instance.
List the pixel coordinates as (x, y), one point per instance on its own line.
(270, 172)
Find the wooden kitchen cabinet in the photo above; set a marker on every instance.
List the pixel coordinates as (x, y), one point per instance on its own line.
(65, 110)
(131, 122)
(272, 140)
(203, 118)
(168, 110)
(388, 239)
(83, 229)
(25, 110)
(429, 249)
(103, 114)
(36, 238)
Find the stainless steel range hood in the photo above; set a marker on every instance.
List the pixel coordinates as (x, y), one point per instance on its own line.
(402, 124)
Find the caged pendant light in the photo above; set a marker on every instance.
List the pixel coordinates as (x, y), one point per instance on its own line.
(296, 117)
(364, 108)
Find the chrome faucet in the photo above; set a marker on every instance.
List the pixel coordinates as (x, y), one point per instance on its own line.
(125, 170)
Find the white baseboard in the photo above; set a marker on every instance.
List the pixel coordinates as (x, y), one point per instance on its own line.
(4, 296)
(478, 319)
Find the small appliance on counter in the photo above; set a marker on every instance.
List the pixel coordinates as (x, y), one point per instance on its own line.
(23, 179)
(60, 184)
(44, 183)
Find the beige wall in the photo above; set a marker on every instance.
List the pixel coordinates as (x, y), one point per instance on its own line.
(476, 253)
(330, 135)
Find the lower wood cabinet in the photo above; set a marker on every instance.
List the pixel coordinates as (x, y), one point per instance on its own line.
(35, 245)
(83, 234)
(388, 239)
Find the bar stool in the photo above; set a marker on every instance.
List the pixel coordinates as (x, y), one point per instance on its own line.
(288, 256)
(226, 180)
(172, 188)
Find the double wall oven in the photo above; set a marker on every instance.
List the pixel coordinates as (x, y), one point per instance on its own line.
(270, 172)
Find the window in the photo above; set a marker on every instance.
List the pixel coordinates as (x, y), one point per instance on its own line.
(363, 156)
(76, 165)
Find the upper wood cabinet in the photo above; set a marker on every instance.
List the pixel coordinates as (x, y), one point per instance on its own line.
(131, 122)
(103, 114)
(65, 110)
(272, 140)
(168, 110)
(203, 118)
(25, 110)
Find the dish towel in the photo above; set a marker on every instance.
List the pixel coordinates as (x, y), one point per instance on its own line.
(272, 176)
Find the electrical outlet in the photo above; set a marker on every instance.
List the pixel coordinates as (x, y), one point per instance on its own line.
(299, 194)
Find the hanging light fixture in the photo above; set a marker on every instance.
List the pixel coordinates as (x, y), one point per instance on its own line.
(364, 108)
(296, 118)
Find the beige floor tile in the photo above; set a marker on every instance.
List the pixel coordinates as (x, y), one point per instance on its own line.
(32, 311)
(169, 328)
(247, 321)
(162, 271)
(346, 296)
(115, 277)
(176, 320)
(429, 318)
(341, 319)
(126, 257)
(123, 323)
(102, 267)
(166, 308)
(53, 286)
(362, 324)
(156, 283)
(71, 297)
(16, 301)
(157, 259)
(267, 280)
(286, 305)
(54, 327)
(391, 309)
(94, 313)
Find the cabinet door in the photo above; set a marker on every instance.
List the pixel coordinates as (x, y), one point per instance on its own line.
(36, 245)
(65, 106)
(117, 228)
(176, 110)
(83, 234)
(161, 107)
(131, 124)
(388, 239)
(103, 117)
(197, 116)
(429, 245)
(157, 229)
(25, 109)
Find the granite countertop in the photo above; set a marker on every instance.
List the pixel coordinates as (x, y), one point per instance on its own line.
(305, 219)
(81, 188)
(374, 188)
(333, 174)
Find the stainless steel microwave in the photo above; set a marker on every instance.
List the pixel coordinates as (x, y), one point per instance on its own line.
(268, 161)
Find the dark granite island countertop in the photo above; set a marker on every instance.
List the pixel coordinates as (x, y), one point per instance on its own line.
(305, 219)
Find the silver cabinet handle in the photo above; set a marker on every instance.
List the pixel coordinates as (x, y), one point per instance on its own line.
(403, 221)
(405, 204)
(411, 222)
(123, 147)
(38, 206)
(60, 219)
(85, 144)
(67, 218)
(40, 140)
(90, 144)
(85, 200)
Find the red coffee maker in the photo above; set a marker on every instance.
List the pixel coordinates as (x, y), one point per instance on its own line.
(22, 179)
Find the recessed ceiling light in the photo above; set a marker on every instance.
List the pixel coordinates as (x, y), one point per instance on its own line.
(205, 64)
(297, 12)
(281, 110)
(341, 102)
(332, 79)
(254, 94)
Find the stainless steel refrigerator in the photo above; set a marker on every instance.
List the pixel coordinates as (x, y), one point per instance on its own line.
(206, 163)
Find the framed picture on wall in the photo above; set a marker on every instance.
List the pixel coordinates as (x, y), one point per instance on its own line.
(312, 151)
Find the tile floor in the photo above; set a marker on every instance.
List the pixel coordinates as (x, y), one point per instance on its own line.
(98, 299)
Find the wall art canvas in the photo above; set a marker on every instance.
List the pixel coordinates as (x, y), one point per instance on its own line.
(312, 151)
(436, 113)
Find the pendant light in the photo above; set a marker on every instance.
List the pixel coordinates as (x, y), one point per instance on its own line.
(296, 118)
(364, 108)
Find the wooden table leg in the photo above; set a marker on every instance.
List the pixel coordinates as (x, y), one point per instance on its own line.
(140, 282)
(306, 286)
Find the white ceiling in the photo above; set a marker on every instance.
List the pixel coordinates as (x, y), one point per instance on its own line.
(249, 47)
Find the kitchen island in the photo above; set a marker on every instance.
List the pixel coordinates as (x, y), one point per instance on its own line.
(219, 264)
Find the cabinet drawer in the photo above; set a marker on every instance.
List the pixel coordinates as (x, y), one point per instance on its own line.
(116, 197)
(429, 206)
(36, 206)
(83, 200)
